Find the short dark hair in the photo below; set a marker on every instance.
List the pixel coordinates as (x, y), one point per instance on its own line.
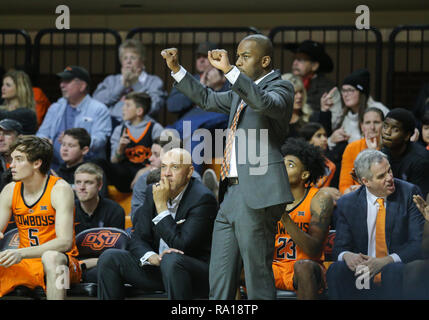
(81, 135)
(310, 156)
(35, 148)
(405, 117)
(308, 130)
(263, 42)
(154, 176)
(141, 99)
(167, 140)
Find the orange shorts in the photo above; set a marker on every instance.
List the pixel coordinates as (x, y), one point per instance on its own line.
(283, 275)
(30, 273)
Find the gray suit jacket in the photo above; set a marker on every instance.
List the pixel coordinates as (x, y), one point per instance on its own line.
(262, 179)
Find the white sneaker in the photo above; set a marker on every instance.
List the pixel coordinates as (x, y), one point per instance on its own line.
(210, 181)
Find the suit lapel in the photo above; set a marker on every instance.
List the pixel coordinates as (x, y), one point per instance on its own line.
(362, 212)
(183, 205)
(275, 75)
(263, 85)
(392, 207)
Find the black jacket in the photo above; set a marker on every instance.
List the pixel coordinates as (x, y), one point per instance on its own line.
(196, 214)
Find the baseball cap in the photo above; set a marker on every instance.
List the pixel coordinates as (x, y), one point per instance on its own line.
(71, 72)
(11, 125)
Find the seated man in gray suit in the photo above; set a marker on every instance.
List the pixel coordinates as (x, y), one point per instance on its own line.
(259, 106)
(170, 243)
(133, 77)
(379, 229)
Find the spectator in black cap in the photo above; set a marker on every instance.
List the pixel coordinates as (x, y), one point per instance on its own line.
(76, 109)
(408, 160)
(133, 77)
(355, 94)
(311, 62)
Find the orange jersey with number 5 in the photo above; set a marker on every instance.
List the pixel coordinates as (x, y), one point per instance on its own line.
(36, 222)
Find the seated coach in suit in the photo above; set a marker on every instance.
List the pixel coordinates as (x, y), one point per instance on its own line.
(379, 229)
(170, 245)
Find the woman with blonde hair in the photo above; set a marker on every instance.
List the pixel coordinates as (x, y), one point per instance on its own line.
(301, 110)
(19, 103)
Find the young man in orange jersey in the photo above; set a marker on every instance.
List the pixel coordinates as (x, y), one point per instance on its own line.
(42, 206)
(303, 228)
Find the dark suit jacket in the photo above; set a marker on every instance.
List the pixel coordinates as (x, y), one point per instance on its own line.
(404, 223)
(269, 107)
(198, 207)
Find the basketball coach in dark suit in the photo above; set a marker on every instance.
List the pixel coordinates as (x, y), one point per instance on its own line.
(253, 194)
(379, 229)
(171, 242)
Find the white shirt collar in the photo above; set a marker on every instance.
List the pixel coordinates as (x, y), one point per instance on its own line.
(175, 202)
(371, 198)
(260, 79)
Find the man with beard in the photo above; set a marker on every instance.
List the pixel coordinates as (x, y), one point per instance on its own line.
(259, 101)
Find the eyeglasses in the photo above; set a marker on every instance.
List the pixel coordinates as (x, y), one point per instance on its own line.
(348, 91)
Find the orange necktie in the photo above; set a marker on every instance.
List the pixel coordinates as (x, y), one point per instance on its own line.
(380, 235)
(224, 170)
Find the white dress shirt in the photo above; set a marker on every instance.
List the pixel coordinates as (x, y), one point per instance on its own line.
(172, 206)
(372, 211)
(231, 76)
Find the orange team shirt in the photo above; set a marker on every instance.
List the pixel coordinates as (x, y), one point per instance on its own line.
(347, 163)
(286, 252)
(36, 224)
(42, 104)
(285, 248)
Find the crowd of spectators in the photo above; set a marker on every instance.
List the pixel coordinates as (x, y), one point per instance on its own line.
(343, 151)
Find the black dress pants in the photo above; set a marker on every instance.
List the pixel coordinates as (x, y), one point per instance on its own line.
(181, 276)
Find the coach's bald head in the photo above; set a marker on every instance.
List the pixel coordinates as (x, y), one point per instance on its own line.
(177, 168)
(254, 56)
(263, 42)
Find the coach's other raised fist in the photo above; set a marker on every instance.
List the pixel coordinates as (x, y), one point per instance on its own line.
(171, 57)
(219, 59)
